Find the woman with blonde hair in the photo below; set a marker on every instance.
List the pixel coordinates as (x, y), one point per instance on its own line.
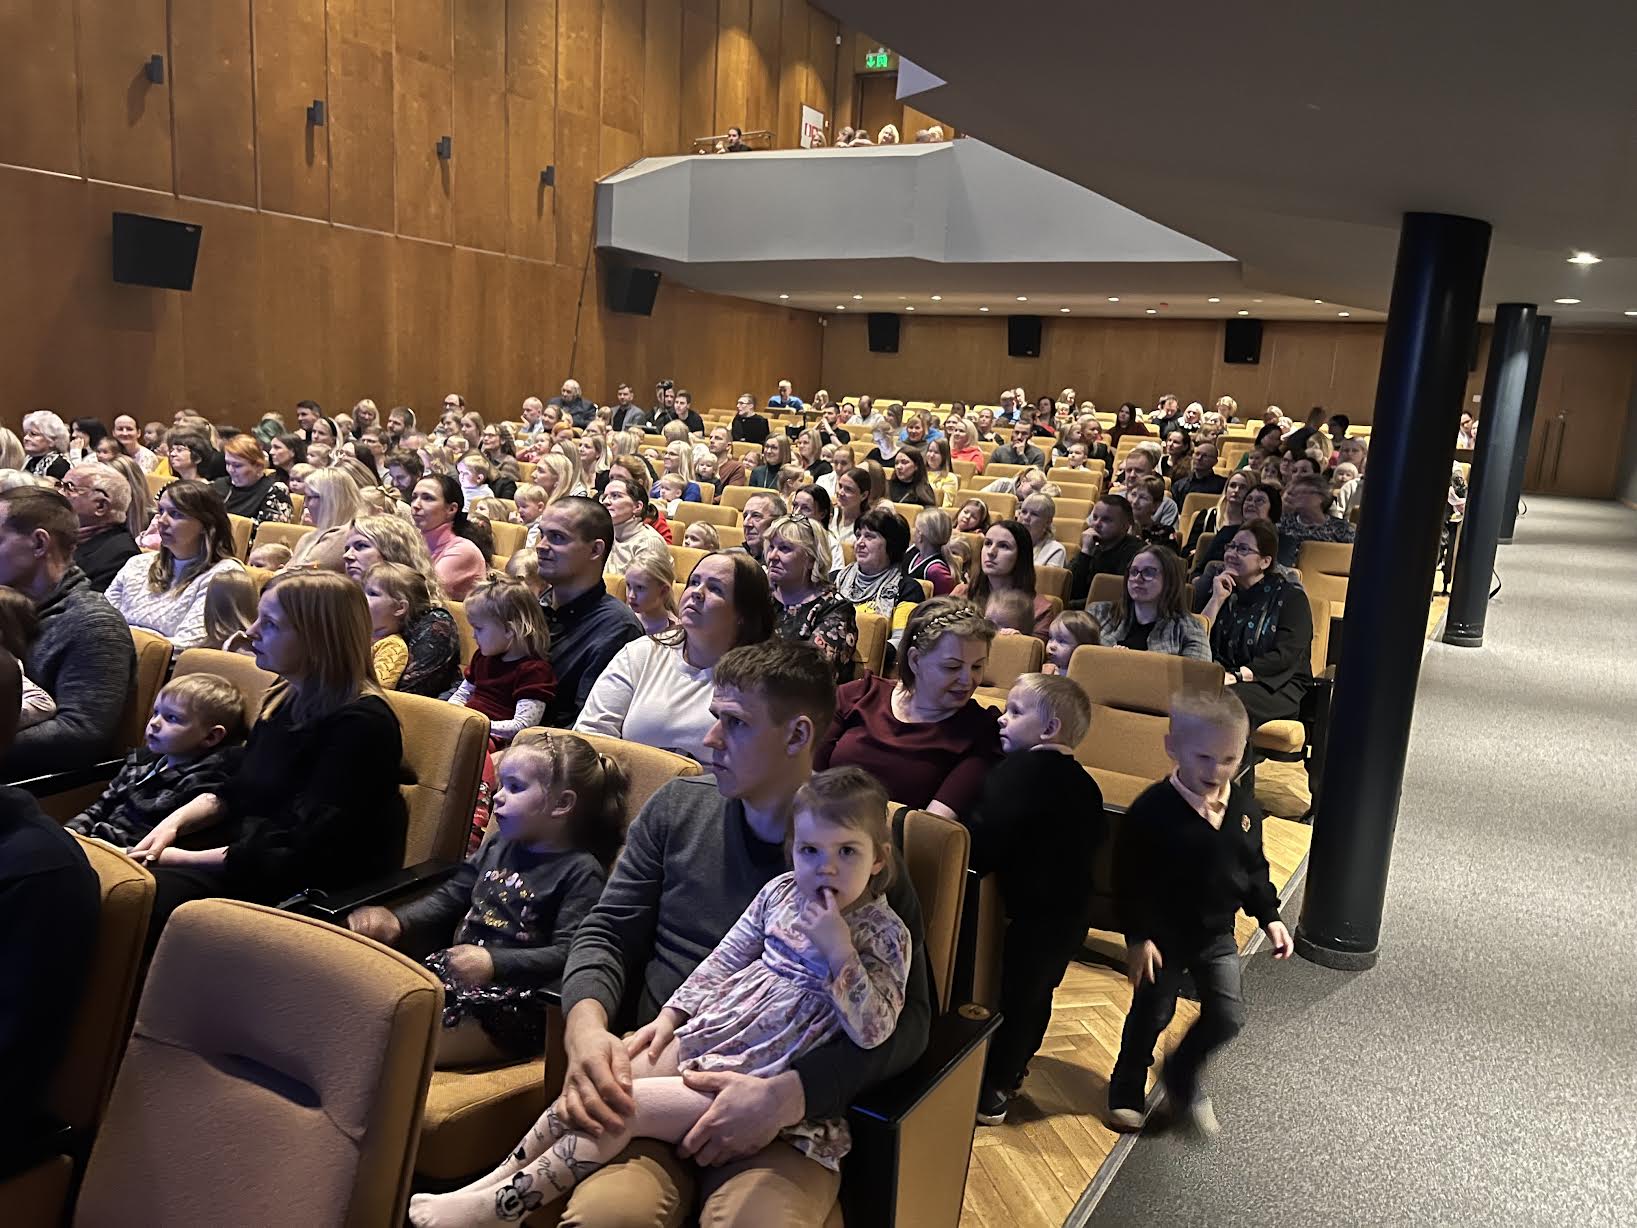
(165, 592)
(591, 459)
(806, 606)
(888, 135)
(315, 802)
(678, 460)
(430, 635)
(775, 456)
(12, 455)
(141, 509)
(940, 472)
(554, 475)
(333, 501)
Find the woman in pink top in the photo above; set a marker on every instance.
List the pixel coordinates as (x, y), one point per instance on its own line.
(439, 511)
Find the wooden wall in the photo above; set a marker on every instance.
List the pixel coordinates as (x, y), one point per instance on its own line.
(349, 260)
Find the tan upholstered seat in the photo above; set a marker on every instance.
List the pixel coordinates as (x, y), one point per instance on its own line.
(1001, 505)
(871, 651)
(730, 535)
(1130, 695)
(737, 496)
(444, 746)
(685, 559)
(936, 851)
(1052, 581)
(710, 513)
(276, 1062)
(1332, 558)
(242, 671)
(1289, 737)
(243, 527)
(1193, 505)
(1012, 656)
(1105, 587)
(153, 662)
(463, 625)
(272, 532)
(509, 539)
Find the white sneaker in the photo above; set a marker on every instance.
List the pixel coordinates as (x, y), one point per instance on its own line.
(1127, 1120)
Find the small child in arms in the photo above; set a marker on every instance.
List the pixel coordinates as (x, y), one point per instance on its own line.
(1189, 855)
(817, 952)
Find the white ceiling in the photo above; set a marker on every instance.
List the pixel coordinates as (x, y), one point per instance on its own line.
(1293, 135)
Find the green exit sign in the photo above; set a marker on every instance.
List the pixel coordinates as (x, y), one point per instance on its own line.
(877, 59)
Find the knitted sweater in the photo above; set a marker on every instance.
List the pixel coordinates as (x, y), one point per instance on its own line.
(178, 614)
(84, 658)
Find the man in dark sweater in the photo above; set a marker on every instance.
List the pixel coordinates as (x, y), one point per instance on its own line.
(748, 425)
(1201, 478)
(83, 655)
(100, 498)
(693, 860)
(1189, 856)
(1020, 451)
(574, 406)
(1106, 547)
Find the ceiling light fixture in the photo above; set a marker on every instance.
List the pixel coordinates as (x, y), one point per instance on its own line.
(1585, 258)
(1566, 302)
(1631, 313)
(1213, 300)
(983, 309)
(1344, 313)
(1023, 298)
(1244, 313)
(937, 298)
(1114, 298)
(858, 298)
(909, 309)
(1064, 310)
(1151, 311)
(784, 296)
(839, 307)
(1256, 300)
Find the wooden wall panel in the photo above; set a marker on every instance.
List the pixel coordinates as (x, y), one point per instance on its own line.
(577, 140)
(422, 114)
(795, 72)
(480, 197)
(477, 329)
(662, 78)
(531, 219)
(361, 126)
(617, 148)
(294, 156)
(531, 49)
(425, 30)
(579, 59)
(359, 275)
(41, 85)
(623, 87)
(762, 74)
(734, 56)
(126, 130)
(224, 335)
(215, 127)
(299, 320)
(846, 82)
(821, 55)
(699, 45)
(423, 306)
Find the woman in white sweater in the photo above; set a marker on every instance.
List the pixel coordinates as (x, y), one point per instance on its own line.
(626, 502)
(164, 592)
(657, 690)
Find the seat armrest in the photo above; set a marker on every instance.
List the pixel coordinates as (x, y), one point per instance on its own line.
(333, 906)
(950, 1040)
(70, 778)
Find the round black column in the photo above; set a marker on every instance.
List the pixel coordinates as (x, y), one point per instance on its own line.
(1526, 427)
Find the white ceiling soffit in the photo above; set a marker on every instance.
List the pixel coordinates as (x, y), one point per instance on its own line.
(1294, 135)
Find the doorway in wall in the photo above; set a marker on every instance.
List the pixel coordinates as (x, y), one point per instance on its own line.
(878, 103)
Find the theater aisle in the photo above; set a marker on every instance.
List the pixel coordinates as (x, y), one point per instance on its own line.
(1486, 1071)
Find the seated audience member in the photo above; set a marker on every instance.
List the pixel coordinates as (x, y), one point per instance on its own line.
(251, 489)
(438, 509)
(1036, 514)
(1012, 612)
(1069, 630)
(101, 499)
(923, 735)
(748, 425)
(501, 925)
(1145, 494)
(315, 802)
(165, 592)
(525, 566)
(1228, 510)
(230, 608)
(1127, 421)
(694, 859)
(1142, 460)
(876, 580)
(1019, 451)
(657, 689)
(1176, 453)
(1151, 613)
(1038, 826)
(963, 440)
(730, 470)
(681, 410)
(806, 606)
(397, 596)
(750, 1005)
(1005, 564)
(678, 463)
(760, 512)
(332, 502)
(578, 410)
(50, 903)
(1106, 548)
(509, 679)
(403, 470)
(627, 414)
(1307, 518)
(129, 438)
(973, 517)
(19, 624)
(1201, 476)
(940, 476)
(534, 417)
(918, 430)
(908, 483)
(928, 558)
(81, 652)
(1261, 627)
(628, 506)
(651, 593)
(786, 398)
(189, 748)
(858, 489)
(1260, 502)
(776, 455)
(431, 638)
(701, 535)
(1188, 857)
(810, 453)
(284, 452)
(45, 443)
(474, 474)
(833, 419)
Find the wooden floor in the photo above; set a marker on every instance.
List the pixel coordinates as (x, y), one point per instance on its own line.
(1031, 1171)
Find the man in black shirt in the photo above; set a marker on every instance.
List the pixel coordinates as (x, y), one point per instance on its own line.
(1201, 476)
(748, 425)
(579, 410)
(100, 498)
(628, 415)
(682, 410)
(1106, 548)
(588, 624)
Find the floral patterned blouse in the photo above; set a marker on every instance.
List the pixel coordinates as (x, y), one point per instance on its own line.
(828, 622)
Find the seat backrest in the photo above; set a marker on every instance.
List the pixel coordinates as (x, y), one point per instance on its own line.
(1053, 581)
(737, 496)
(1070, 508)
(242, 671)
(1195, 503)
(468, 641)
(1105, 587)
(243, 527)
(79, 1089)
(1002, 506)
(1332, 558)
(153, 662)
(997, 470)
(646, 767)
(871, 651)
(444, 746)
(730, 535)
(309, 1054)
(271, 531)
(710, 513)
(1012, 656)
(157, 483)
(1130, 695)
(509, 538)
(1326, 587)
(615, 586)
(685, 559)
(936, 852)
(1320, 608)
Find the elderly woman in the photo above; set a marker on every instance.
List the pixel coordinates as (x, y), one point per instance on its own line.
(1006, 564)
(657, 690)
(1261, 627)
(922, 734)
(1151, 613)
(807, 607)
(1307, 518)
(876, 579)
(627, 503)
(431, 636)
(45, 443)
(1261, 502)
(330, 504)
(439, 511)
(165, 592)
(1145, 494)
(1036, 514)
(250, 488)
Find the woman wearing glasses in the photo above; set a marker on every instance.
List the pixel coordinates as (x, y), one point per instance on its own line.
(1261, 627)
(1151, 613)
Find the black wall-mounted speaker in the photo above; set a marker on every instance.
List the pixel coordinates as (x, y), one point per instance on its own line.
(1242, 341)
(155, 251)
(632, 290)
(883, 332)
(1023, 336)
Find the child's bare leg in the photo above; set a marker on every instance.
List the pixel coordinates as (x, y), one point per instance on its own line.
(666, 1109)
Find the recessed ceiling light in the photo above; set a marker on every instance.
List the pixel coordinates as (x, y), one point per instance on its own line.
(1114, 298)
(909, 309)
(784, 296)
(1631, 313)
(1318, 301)
(1023, 298)
(1064, 310)
(1344, 313)
(858, 298)
(1567, 302)
(1585, 258)
(937, 298)
(983, 309)
(839, 307)
(1256, 300)
(1244, 313)
(1151, 311)
(1213, 300)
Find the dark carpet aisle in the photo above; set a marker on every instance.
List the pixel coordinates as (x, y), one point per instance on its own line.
(1485, 1072)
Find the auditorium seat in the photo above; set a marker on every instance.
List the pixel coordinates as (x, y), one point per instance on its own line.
(509, 539)
(468, 642)
(1331, 558)
(996, 471)
(1010, 657)
(1074, 509)
(1194, 504)
(1001, 505)
(685, 559)
(1105, 587)
(158, 482)
(444, 747)
(240, 670)
(273, 532)
(737, 496)
(710, 513)
(1303, 740)
(243, 527)
(873, 632)
(1053, 581)
(276, 1062)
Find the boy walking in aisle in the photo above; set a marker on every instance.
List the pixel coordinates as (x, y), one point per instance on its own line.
(1188, 856)
(1038, 827)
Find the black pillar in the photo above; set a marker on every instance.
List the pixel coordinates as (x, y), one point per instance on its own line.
(1504, 383)
(1526, 427)
(1430, 323)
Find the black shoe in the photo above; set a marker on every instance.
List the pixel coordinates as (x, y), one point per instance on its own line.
(991, 1107)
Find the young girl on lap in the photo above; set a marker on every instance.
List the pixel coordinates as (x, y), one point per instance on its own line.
(817, 952)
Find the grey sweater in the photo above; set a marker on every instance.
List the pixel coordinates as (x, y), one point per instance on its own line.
(690, 867)
(85, 660)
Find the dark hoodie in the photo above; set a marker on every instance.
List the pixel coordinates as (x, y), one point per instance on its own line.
(85, 659)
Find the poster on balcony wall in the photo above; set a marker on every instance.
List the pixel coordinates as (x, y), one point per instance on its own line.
(812, 128)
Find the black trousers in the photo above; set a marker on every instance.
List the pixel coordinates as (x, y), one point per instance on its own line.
(174, 886)
(1264, 704)
(1035, 956)
(1216, 969)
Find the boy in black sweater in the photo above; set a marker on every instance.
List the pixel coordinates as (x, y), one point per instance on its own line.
(1038, 827)
(1189, 855)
